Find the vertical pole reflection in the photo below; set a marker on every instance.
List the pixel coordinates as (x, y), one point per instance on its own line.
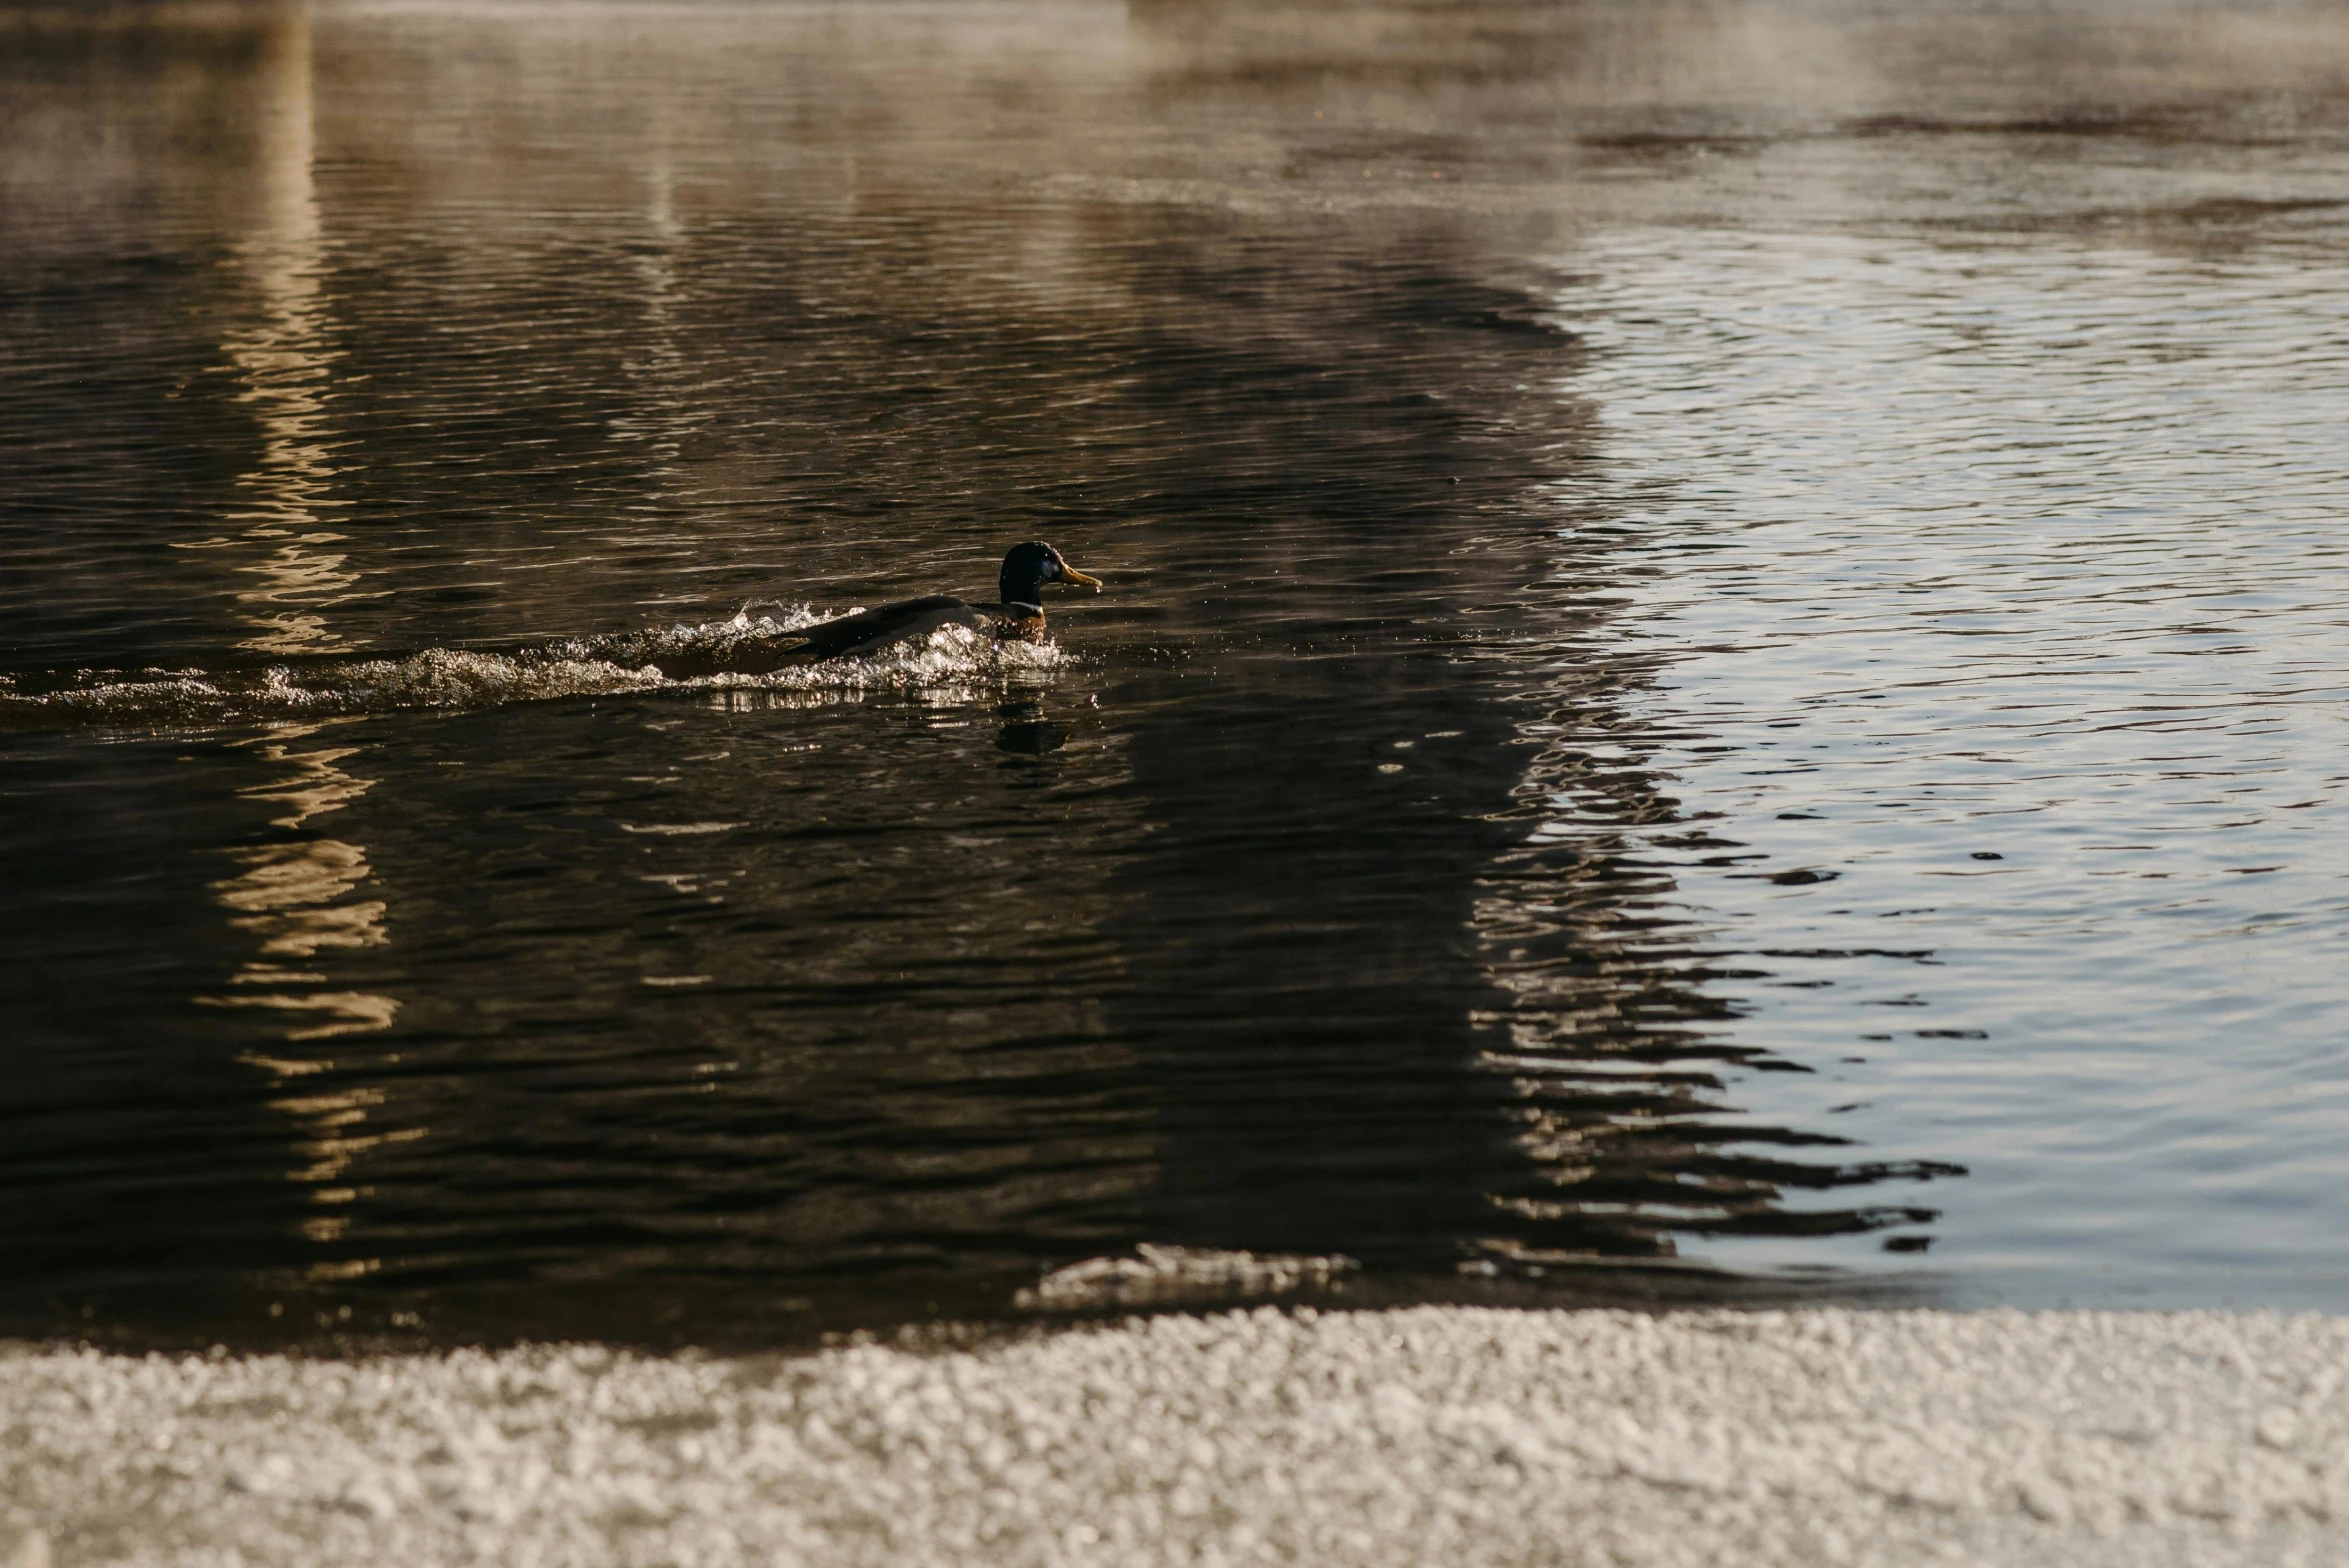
(286, 364)
(296, 895)
(300, 893)
(659, 377)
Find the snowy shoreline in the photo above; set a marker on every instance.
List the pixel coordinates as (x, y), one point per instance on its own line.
(1425, 1435)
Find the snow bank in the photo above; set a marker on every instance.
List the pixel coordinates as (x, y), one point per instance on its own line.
(1445, 1436)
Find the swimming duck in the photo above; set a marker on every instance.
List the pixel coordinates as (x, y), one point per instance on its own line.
(1017, 617)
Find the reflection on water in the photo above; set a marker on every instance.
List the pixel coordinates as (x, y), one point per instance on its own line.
(1605, 510)
(284, 359)
(296, 892)
(293, 893)
(296, 897)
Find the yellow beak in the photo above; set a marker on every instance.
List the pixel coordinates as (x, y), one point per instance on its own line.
(1069, 574)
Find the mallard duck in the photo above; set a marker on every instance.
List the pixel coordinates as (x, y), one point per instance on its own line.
(1018, 616)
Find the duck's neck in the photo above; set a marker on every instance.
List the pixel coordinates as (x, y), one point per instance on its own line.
(1023, 590)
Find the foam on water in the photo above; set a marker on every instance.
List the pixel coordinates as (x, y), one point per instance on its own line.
(1159, 1276)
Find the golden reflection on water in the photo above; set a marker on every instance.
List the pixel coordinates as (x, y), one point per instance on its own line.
(297, 897)
(286, 362)
(300, 895)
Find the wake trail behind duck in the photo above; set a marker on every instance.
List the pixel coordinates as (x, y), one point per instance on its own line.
(949, 660)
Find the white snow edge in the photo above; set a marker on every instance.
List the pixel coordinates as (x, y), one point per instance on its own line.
(1421, 1436)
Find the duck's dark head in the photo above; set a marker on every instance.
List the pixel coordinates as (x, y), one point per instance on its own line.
(1028, 567)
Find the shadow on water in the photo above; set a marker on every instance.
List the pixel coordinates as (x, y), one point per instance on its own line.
(1303, 976)
(1375, 1018)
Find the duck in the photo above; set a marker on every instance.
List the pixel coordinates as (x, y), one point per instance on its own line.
(1016, 616)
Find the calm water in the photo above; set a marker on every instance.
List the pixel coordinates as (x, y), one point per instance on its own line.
(1723, 671)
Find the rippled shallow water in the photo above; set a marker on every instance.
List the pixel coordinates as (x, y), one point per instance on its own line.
(1722, 668)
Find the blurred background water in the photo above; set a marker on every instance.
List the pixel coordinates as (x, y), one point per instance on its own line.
(1722, 672)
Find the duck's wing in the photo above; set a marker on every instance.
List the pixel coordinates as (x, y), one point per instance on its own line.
(848, 637)
(749, 656)
(870, 631)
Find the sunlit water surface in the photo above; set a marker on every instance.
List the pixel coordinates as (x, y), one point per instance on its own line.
(1722, 675)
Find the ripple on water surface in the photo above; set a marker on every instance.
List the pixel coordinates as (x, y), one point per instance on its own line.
(2000, 607)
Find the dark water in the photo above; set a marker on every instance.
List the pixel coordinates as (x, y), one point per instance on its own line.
(1722, 671)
